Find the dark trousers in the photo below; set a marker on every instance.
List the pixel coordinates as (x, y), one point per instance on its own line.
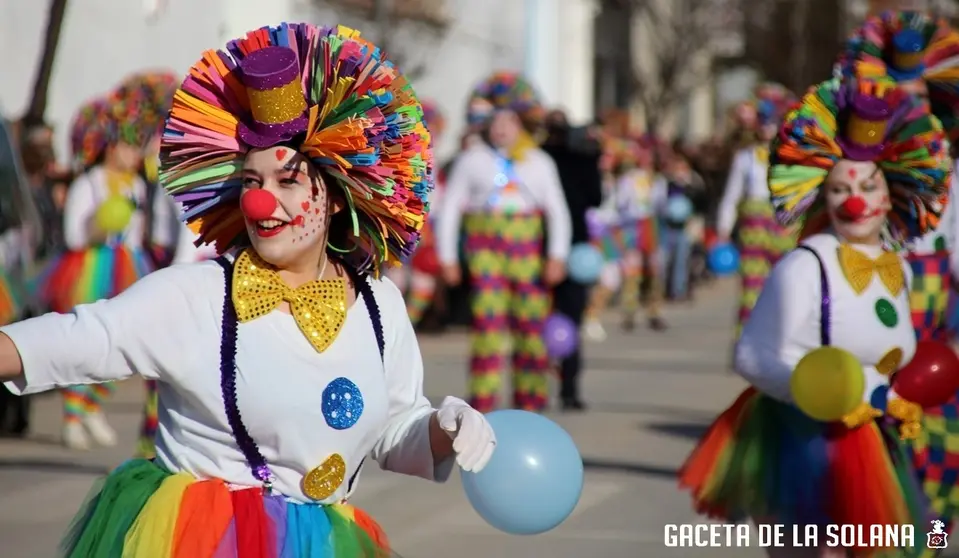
(14, 410)
(14, 413)
(569, 299)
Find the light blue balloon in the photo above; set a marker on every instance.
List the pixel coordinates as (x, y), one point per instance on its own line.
(678, 209)
(534, 479)
(585, 263)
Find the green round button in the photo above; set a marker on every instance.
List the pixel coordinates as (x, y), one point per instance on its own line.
(940, 243)
(886, 313)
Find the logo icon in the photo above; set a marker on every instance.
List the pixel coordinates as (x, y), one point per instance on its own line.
(938, 537)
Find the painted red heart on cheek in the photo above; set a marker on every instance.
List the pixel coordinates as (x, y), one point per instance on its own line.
(305, 205)
(280, 153)
(316, 211)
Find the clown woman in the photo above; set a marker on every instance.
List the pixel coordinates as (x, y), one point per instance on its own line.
(301, 152)
(506, 192)
(863, 165)
(745, 203)
(921, 53)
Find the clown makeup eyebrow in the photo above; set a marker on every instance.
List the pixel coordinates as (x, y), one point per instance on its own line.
(294, 167)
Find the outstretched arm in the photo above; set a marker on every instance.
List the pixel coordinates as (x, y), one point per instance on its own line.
(136, 332)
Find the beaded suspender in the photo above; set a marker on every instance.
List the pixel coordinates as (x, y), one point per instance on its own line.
(228, 337)
(825, 319)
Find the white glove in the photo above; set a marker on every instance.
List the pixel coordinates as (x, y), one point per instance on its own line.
(473, 438)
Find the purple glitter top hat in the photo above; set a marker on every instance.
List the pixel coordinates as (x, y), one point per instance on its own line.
(277, 104)
(865, 128)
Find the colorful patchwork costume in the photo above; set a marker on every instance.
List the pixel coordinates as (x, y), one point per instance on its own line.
(506, 203)
(914, 48)
(763, 458)
(746, 203)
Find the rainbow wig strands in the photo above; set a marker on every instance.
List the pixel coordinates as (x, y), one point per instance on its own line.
(912, 155)
(505, 91)
(150, 97)
(91, 133)
(906, 46)
(364, 132)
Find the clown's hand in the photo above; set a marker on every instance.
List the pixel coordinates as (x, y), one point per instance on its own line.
(472, 435)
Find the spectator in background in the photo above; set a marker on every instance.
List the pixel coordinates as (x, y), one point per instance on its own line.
(576, 153)
(49, 182)
(684, 192)
(47, 185)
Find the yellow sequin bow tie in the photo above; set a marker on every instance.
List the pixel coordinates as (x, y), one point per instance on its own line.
(859, 269)
(319, 307)
(762, 155)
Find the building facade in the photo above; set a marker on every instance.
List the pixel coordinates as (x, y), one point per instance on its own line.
(446, 45)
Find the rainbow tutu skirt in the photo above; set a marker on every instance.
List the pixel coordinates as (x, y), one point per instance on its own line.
(143, 511)
(11, 302)
(84, 276)
(767, 460)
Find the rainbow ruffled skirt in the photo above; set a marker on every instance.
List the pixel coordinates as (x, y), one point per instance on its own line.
(11, 303)
(767, 460)
(144, 511)
(84, 276)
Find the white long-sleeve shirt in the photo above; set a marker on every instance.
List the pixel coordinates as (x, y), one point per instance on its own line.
(167, 327)
(746, 181)
(90, 190)
(473, 182)
(785, 324)
(638, 195)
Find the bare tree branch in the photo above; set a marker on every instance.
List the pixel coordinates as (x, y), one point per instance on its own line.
(677, 33)
(404, 29)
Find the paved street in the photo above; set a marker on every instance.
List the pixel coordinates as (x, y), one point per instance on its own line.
(651, 395)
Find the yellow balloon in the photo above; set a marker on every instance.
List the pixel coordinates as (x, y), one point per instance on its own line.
(828, 383)
(114, 214)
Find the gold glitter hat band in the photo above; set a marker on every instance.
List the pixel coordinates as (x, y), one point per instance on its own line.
(274, 87)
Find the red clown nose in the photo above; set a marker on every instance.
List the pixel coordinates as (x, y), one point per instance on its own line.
(853, 208)
(257, 204)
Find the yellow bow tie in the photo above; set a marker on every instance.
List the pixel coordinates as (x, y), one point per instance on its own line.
(319, 307)
(762, 155)
(859, 269)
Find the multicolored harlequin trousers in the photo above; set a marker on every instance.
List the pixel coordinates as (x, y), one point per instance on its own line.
(504, 253)
(762, 242)
(936, 451)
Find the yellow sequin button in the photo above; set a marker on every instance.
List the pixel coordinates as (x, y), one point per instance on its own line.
(323, 481)
(890, 362)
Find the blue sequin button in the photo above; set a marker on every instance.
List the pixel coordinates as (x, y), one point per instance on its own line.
(342, 404)
(500, 179)
(879, 398)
